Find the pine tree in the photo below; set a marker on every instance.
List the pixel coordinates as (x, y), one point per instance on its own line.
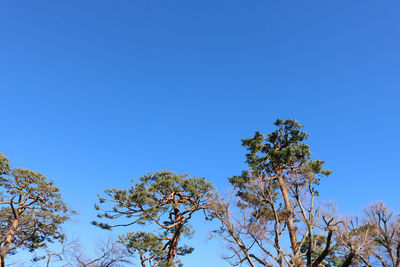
(31, 210)
(165, 202)
(278, 163)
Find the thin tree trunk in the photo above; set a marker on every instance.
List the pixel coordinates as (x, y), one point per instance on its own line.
(291, 227)
(2, 258)
(310, 241)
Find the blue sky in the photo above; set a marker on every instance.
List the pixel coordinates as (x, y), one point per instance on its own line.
(95, 93)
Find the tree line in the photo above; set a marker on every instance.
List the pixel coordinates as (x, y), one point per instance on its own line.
(272, 218)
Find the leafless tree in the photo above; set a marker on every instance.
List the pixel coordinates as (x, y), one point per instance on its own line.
(109, 254)
(384, 236)
(259, 237)
(70, 254)
(65, 256)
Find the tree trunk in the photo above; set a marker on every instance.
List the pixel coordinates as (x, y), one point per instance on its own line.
(310, 242)
(325, 252)
(2, 262)
(173, 247)
(348, 260)
(291, 227)
(8, 241)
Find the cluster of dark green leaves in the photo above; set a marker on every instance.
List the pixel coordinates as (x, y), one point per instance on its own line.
(278, 153)
(281, 149)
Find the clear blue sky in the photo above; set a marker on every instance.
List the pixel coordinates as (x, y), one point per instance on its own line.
(95, 93)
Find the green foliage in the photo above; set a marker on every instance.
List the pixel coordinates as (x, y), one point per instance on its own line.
(163, 199)
(31, 209)
(148, 246)
(333, 258)
(4, 165)
(282, 150)
(279, 153)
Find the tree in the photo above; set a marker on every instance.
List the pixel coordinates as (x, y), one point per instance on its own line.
(110, 254)
(255, 236)
(31, 210)
(373, 240)
(385, 225)
(165, 201)
(276, 196)
(64, 255)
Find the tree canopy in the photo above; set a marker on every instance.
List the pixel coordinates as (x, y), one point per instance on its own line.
(164, 200)
(31, 210)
